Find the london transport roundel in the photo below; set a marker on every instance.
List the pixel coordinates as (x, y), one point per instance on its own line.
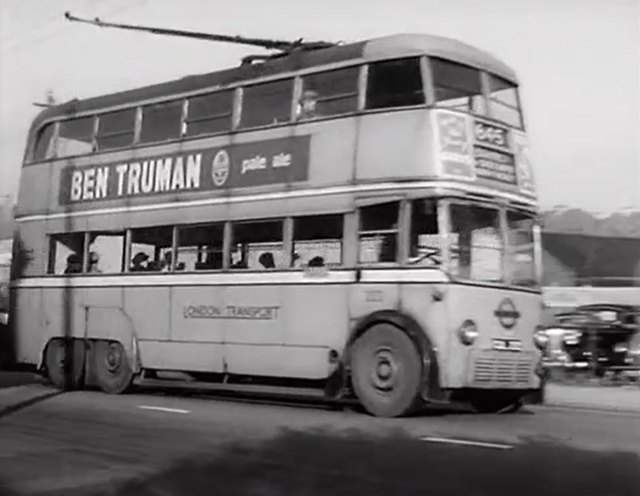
(220, 168)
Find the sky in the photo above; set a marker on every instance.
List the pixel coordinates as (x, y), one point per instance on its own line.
(578, 62)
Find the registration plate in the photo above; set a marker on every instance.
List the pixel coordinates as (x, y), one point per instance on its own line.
(507, 344)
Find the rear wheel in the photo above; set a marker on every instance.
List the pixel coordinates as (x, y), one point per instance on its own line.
(64, 363)
(386, 371)
(113, 370)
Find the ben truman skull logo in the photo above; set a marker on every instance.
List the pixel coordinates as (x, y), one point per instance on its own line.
(220, 168)
(507, 313)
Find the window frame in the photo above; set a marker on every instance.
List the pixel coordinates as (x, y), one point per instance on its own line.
(186, 120)
(290, 233)
(134, 131)
(300, 88)
(501, 209)
(239, 125)
(490, 100)
(481, 80)
(140, 115)
(59, 125)
(285, 233)
(365, 89)
(399, 232)
(176, 245)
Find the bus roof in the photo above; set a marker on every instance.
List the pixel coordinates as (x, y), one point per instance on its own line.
(399, 45)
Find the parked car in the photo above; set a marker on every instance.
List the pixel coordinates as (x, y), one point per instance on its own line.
(598, 337)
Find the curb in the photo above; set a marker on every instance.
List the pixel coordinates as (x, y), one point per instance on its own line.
(586, 407)
(16, 398)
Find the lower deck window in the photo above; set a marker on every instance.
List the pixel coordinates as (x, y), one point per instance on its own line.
(106, 252)
(200, 247)
(151, 249)
(257, 245)
(66, 253)
(317, 241)
(379, 233)
(424, 239)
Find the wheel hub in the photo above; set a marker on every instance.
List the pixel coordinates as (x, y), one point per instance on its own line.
(113, 358)
(385, 370)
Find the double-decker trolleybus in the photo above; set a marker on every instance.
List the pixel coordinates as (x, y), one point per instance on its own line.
(351, 221)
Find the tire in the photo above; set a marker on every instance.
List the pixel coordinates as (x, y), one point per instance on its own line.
(64, 362)
(496, 402)
(112, 368)
(386, 371)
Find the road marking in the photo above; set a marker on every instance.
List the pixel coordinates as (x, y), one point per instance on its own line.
(465, 442)
(163, 409)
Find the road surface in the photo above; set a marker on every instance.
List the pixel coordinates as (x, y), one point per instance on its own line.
(85, 442)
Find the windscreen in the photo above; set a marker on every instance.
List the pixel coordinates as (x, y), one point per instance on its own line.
(475, 243)
(477, 249)
(520, 227)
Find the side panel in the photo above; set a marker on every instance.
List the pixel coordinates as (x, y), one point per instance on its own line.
(315, 320)
(27, 324)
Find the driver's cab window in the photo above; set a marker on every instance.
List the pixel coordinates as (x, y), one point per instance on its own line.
(476, 247)
(424, 243)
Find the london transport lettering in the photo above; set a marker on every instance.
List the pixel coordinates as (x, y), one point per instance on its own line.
(231, 312)
(235, 166)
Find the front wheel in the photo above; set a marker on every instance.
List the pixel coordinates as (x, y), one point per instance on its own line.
(386, 371)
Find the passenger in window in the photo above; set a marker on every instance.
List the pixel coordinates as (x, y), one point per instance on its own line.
(74, 264)
(165, 263)
(295, 260)
(267, 261)
(240, 257)
(139, 263)
(94, 260)
(316, 261)
(308, 105)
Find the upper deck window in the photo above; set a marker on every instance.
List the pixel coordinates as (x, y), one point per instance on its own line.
(395, 83)
(43, 148)
(503, 101)
(161, 121)
(210, 113)
(329, 93)
(457, 86)
(116, 129)
(75, 137)
(267, 103)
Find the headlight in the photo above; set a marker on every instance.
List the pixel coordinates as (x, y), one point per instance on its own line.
(540, 338)
(572, 337)
(620, 347)
(468, 332)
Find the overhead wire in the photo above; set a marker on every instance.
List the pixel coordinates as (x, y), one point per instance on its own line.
(63, 29)
(37, 26)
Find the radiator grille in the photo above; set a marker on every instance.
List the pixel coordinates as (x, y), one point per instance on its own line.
(502, 369)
